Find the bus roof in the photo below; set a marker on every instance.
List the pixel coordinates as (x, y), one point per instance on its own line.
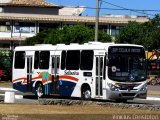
(72, 46)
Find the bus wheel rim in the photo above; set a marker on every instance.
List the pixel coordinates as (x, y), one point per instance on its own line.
(39, 91)
(87, 94)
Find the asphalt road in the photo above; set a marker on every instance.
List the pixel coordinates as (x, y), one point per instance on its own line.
(31, 99)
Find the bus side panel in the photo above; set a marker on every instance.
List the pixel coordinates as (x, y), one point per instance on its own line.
(19, 80)
(66, 88)
(68, 83)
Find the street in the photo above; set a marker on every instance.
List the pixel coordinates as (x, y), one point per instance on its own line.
(151, 99)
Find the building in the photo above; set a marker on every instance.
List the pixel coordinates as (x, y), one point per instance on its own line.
(20, 19)
(70, 10)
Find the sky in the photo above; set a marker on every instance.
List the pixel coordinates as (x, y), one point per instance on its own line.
(117, 7)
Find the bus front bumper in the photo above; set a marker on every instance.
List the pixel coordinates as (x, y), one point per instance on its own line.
(130, 95)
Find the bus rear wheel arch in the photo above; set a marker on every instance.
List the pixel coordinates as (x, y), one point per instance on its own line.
(85, 92)
(39, 89)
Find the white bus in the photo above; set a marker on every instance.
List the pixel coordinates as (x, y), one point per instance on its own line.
(91, 70)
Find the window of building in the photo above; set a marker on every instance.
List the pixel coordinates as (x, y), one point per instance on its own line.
(104, 28)
(115, 30)
(24, 27)
(46, 26)
(19, 60)
(91, 26)
(70, 25)
(86, 60)
(44, 59)
(73, 60)
(63, 60)
(5, 26)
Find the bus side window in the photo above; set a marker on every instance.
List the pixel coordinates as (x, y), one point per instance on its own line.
(86, 60)
(53, 61)
(58, 61)
(63, 60)
(44, 60)
(19, 60)
(104, 69)
(73, 60)
(36, 60)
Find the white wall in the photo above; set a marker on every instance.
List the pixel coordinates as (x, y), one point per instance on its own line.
(8, 34)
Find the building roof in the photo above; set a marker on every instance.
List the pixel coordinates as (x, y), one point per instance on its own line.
(63, 18)
(34, 3)
(70, 10)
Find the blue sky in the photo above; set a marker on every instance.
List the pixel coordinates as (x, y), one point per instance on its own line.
(129, 4)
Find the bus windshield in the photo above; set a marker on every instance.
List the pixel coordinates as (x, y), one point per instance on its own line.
(127, 65)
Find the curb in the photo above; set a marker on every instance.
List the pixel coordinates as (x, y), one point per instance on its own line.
(16, 96)
(19, 96)
(153, 98)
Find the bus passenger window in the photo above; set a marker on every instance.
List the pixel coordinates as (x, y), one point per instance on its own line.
(36, 60)
(73, 60)
(86, 60)
(44, 60)
(63, 60)
(58, 61)
(19, 60)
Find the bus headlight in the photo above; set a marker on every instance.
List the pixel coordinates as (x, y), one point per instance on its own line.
(144, 87)
(113, 87)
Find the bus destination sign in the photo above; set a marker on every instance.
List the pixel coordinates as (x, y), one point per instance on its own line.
(123, 49)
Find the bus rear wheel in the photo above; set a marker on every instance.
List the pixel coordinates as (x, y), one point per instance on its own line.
(39, 90)
(86, 93)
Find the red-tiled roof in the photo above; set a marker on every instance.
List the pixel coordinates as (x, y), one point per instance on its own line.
(36, 3)
(64, 18)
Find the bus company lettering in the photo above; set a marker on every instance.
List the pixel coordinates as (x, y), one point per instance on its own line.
(68, 72)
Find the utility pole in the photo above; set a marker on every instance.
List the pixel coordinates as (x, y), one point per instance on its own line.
(97, 20)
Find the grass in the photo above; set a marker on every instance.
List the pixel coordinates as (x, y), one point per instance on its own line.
(153, 93)
(77, 112)
(59, 109)
(5, 84)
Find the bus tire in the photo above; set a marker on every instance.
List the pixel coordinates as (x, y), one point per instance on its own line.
(86, 93)
(39, 90)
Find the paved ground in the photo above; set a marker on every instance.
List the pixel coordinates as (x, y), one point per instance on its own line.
(150, 99)
(31, 99)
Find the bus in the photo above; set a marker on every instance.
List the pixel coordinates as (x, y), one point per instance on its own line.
(92, 70)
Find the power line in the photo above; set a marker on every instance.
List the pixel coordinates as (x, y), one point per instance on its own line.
(133, 10)
(141, 11)
(112, 8)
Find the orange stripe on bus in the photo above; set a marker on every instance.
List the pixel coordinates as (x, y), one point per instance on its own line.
(68, 77)
(19, 79)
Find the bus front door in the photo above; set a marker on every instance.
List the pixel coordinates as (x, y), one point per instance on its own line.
(99, 76)
(29, 73)
(55, 74)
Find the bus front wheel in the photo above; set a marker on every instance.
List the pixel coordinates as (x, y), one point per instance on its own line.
(39, 90)
(86, 93)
